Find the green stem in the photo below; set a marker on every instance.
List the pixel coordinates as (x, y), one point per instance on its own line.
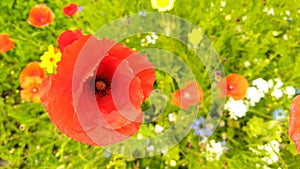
(259, 114)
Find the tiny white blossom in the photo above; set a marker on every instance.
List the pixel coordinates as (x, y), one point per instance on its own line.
(253, 95)
(261, 84)
(154, 36)
(172, 117)
(247, 64)
(214, 150)
(236, 108)
(269, 152)
(244, 18)
(285, 37)
(270, 83)
(158, 128)
(287, 12)
(275, 33)
(277, 93)
(271, 11)
(278, 84)
(223, 3)
(173, 163)
(150, 148)
(143, 42)
(290, 91)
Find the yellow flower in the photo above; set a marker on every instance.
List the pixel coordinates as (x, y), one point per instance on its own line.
(195, 36)
(162, 5)
(50, 59)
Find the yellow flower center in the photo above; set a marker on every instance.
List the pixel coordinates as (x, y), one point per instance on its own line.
(34, 90)
(162, 3)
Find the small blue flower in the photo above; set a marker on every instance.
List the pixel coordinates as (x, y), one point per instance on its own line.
(150, 148)
(106, 154)
(290, 19)
(298, 90)
(197, 122)
(143, 13)
(80, 8)
(279, 114)
(223, 143)
(201, 129)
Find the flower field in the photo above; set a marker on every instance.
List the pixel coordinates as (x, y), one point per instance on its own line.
(150, 84)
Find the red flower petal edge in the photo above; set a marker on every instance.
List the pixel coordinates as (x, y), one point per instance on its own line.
(32, 69)
(190, 95)
(71, 9)
(235, 86)
(294, 124)
(67, 37)
(107, 97)
(6, 43)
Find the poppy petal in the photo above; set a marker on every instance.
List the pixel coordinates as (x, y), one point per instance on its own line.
(6, 43)
(67, 37)
(190, 95)
(32, 69)
(71, 9)
(294, 124)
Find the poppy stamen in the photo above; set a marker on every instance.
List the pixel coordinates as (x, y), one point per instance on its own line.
(100, 85)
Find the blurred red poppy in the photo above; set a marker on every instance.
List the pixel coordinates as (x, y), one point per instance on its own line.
(32, 69)
(6, 43)
(40, 16)
(294, 124)
(190, 95)
(71, 9)
(235, 86)
(67, 37)
(112, 119)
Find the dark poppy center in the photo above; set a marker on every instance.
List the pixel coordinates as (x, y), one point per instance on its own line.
(230, 87)
(100, 85)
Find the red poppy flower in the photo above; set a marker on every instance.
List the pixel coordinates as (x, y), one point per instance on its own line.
(294, 124)
(67, 38)
(40, 16)
(71, 9)
(95, 97)
(190, 95)
(32, 69)
(6, 43)
(235, 86)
